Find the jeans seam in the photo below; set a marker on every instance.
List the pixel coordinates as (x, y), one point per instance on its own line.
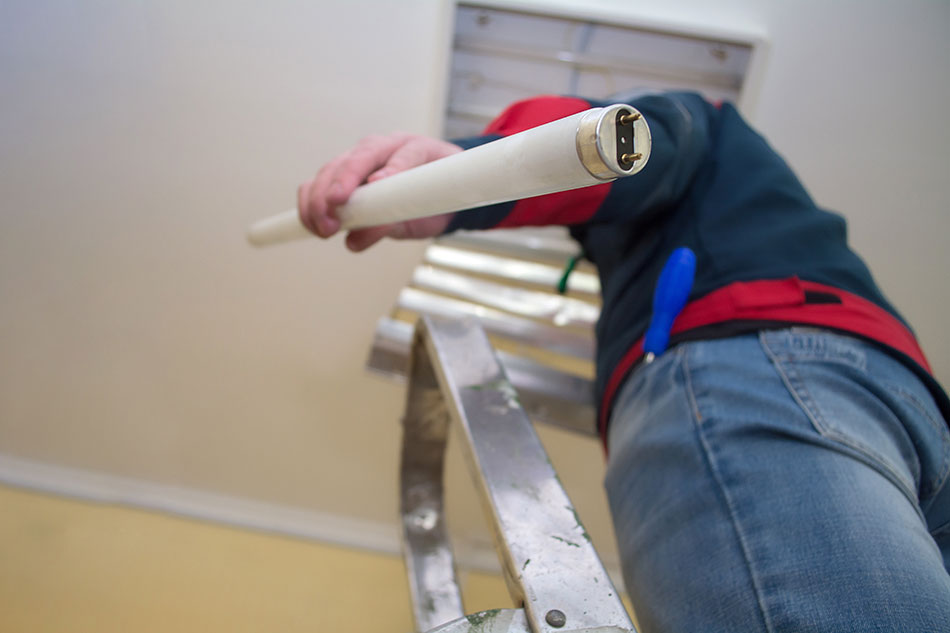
(727, 500)
(940, 427)
(941, 530)
(689, 386)
(802, 396)
(916, 403)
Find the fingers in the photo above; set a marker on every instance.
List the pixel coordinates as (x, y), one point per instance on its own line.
(360, 239)
(332, 186)
(414, 152)
(368, 156)
(411, 154)
(372, 159)
(312, 203)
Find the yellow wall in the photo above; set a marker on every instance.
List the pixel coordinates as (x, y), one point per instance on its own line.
(74, 566)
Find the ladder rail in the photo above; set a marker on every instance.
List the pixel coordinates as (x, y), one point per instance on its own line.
(551, 568)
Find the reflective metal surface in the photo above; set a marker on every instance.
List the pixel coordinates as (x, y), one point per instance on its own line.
(548, 560)
(497, 322)
(677, 74)
(549, 244)
(550, 396)
(516, 270)
(546, 339)
(435, 593)
(557, 309)
(493, 621)
(614, 141)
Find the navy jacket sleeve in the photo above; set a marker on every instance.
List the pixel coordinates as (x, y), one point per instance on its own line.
(679, 124)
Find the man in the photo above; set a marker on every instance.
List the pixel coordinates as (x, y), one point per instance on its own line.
(783, 466)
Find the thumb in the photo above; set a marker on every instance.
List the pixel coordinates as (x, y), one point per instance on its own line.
(412, 154)
(416, 151)
(406, 157)
(360, 239)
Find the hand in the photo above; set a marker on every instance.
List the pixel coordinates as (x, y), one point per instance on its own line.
(372, 159)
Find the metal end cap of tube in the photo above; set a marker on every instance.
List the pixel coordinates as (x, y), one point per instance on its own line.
(613, 141)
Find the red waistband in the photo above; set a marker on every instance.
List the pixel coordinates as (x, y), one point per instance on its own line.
(779, 301)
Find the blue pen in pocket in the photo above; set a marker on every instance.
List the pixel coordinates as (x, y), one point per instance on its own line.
(669, 299)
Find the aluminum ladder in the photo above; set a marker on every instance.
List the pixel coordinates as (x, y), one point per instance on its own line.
(551, 569)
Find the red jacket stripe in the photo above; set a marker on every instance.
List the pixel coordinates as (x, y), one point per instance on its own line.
(567, 207)
(529, 113)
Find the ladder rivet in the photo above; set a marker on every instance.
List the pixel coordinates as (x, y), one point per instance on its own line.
(556, 618)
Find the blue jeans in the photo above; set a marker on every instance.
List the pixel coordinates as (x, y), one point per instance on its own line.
(791, 480)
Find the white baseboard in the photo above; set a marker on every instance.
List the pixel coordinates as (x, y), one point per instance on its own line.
(219, 508)
(233, 511)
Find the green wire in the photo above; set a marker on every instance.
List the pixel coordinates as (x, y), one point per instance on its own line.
(568, 269)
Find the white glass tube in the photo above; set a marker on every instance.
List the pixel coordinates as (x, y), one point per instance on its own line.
(577, 151)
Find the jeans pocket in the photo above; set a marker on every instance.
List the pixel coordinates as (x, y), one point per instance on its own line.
(827, 375)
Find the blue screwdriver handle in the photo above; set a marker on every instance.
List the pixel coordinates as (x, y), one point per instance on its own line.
(669, 299)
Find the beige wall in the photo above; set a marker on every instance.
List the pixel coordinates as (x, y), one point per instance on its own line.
(140, 336)
(77, 567)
